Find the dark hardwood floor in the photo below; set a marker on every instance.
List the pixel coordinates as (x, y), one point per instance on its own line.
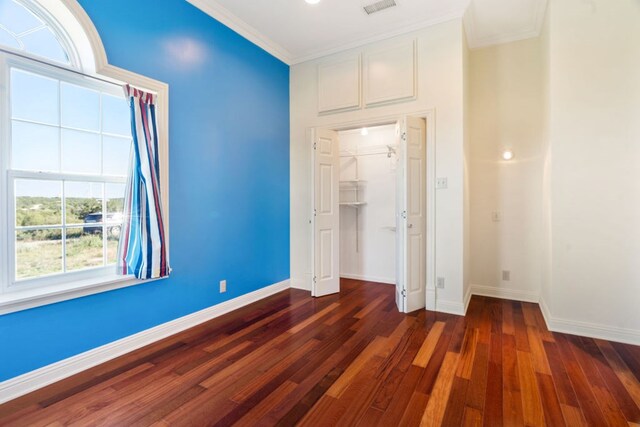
(352, 359)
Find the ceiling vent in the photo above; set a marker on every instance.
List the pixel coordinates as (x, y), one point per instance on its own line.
(378, 6)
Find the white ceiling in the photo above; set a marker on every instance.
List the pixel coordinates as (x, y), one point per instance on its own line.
(296, 32)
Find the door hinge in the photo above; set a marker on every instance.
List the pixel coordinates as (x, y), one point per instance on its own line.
(404, 214)
(404, 136)
(315, 144)
(315, 213)
(314, 279)
(404, 293)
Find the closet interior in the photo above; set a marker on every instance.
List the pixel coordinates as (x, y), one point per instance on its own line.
(368, 190)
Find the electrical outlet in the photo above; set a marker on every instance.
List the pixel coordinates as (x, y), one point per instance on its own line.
(223, 286)
(506, 275)
(440, 283)
(441, 183)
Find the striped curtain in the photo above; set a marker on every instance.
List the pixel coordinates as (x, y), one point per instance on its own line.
(142, 250)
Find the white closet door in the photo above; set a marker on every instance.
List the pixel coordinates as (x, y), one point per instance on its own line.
(326, 223)
(412, 214)
(401, 195)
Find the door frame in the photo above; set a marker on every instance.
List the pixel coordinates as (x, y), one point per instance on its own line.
(429, 115)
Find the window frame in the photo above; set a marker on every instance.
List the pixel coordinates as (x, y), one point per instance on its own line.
(88, 63)
(56, 27)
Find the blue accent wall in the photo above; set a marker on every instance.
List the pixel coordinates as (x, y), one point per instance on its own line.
(229, 180)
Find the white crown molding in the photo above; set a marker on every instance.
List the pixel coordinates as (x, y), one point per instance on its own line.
(505, 293)
(588, 329)
(226, 17)
(384, 36)
(31, 381)
(533, 30)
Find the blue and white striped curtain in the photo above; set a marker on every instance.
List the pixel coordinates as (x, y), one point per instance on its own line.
(142, 249)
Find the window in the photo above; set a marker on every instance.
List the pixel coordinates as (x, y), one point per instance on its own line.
(69, 150)
(65, 146)
(25, 29)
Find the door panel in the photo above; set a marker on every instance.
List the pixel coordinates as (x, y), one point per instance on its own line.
(326, 220)
(401, 196)
(412, 156)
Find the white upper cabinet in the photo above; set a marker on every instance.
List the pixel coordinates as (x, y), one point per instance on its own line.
(339, 85)
(390, 74)
(368, 78)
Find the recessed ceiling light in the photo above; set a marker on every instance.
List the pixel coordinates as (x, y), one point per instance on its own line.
(312, 1)
(507, 154)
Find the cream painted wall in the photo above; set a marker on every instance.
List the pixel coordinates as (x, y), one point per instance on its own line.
(506, 100)
(545, 244)
(595, 167)
(440, 86)
(466, 65)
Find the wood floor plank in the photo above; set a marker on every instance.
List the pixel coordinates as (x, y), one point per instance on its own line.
(494, 391)
(538, 356)
(606, 401)
(434, 412)
(621, 370)
(472, 417)
(352, 359)
(573, 416)
(512, 399)
(507, 318)
(530, 393)
(467, 354)
(550, 403)
(478, 381)
(363, 360)
(415, 408)
(429, 345)
(456, 403)
(588, 402)
(255, 415)
(564, 387)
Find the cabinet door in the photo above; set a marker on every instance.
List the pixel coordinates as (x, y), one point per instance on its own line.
(339, 85)
(390, 74)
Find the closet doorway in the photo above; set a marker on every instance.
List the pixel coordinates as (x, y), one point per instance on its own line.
(370, 208)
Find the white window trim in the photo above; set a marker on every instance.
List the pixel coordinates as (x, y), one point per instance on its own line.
(93, 61)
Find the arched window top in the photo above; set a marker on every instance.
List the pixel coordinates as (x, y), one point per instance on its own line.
(26, 27)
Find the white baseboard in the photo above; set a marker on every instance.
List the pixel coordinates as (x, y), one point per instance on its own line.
(431, 299)
(450, 307)
(384, 280)
(458, 308)
(301, 282)
(588, 329)
(467, 299)
(505, 293)
(30, 381)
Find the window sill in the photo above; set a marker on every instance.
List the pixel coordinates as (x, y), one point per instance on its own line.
(12, 302)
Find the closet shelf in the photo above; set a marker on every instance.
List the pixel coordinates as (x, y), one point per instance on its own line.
(352, 182)
(353, 204)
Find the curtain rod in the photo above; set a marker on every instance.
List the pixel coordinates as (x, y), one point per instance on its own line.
(61, 67)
